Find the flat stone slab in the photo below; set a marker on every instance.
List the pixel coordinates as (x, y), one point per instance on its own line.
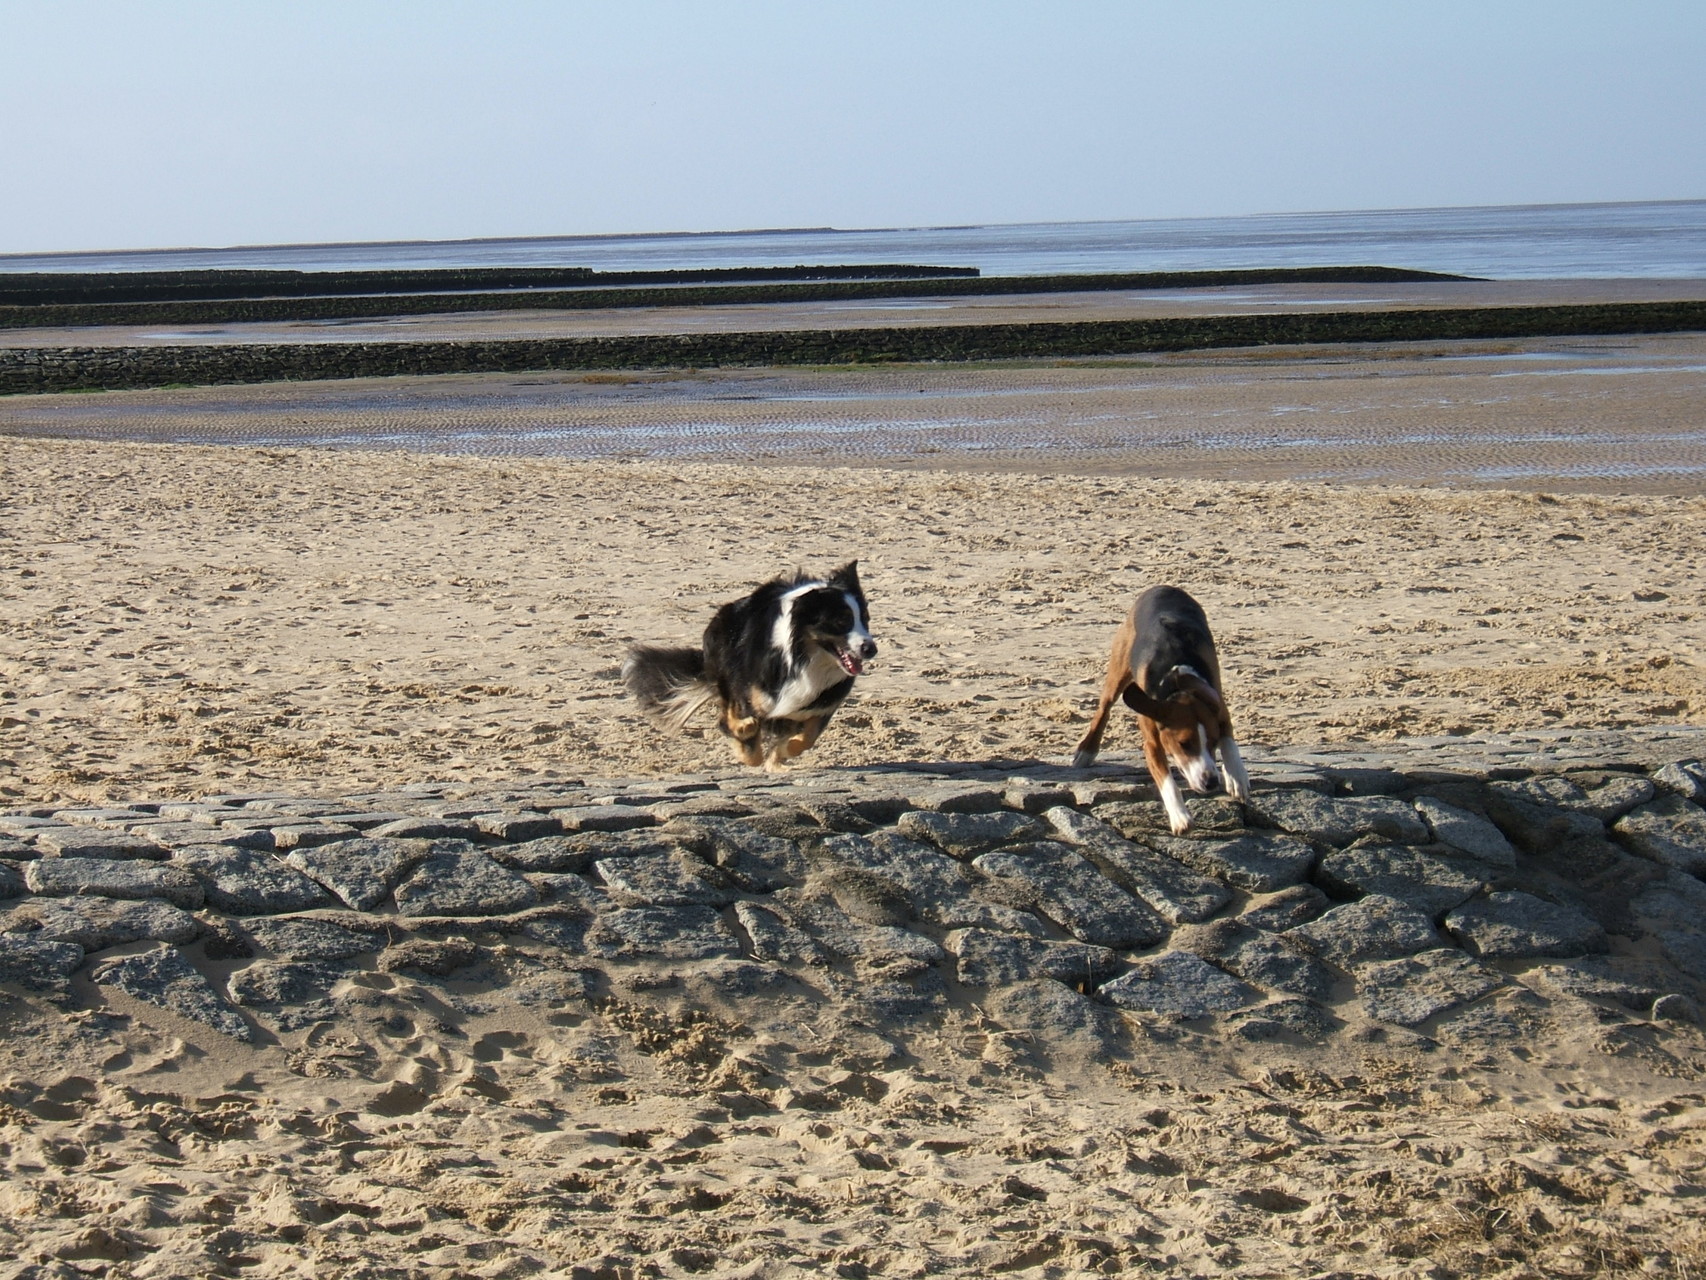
(1172, 890)
(98, 923)
(965, 835)
(1685, 778)
(425, 828)
(1067, 888)
(1669, 830)
(1468, 832)
(36, 963)
(1340, 821)
(759, 863)
(603, 817)
(778, 939)
(462, 882)
(1373, 928)
(1257, 861)
(674, 879)
(1673, 910)
(311, 939)
(92, 842)
(1286, 909)
(899, 953)
(516, 826)
(1431, 884)
(1410, 990)
(244, 882)
(1519, 926)
(113, 878)
(1592, 978)
(165, 978)
(1178, 984)
(1608, 800)
(1057, 1017)
(1533, 823)
(306, 835)
(295, 994)
(175, 835)
(662, 933)
(362, 871)
(987, 959)
(1267, 960)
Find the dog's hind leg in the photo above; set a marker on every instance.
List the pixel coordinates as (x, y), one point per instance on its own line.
(798, 742)
(1113, 685)
(745, 730)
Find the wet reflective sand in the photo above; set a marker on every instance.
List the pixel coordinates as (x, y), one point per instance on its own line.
(1608, 414)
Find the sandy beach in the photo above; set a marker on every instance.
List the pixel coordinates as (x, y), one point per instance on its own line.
(183, 619)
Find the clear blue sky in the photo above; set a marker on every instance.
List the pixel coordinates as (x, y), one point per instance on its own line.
(176, 122)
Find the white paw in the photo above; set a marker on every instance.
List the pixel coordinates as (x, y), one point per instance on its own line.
(1238, 789)
(1180, 823)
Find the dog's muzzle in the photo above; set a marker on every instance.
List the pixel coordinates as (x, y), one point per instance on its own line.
(854, 657)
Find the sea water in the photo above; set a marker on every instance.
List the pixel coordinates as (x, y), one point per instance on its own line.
(1506, 242)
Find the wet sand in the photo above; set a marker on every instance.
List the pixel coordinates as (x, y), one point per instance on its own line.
(1608, 415)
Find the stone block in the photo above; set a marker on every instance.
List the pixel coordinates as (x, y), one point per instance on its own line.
(461, 882)
(1339, 821)
(36, 963)
(307, 835)
(516, 827)
(1685, 778)
(163, 977)
(98, 923)
(661, 933)
(778, 939)
(604, 817)
(93, 842)
(307, 938)
(363, 871)
(1519, 926)
(1670, 831)
(1179, 985)
(1176, 893)
(114, 878)
(242, 882)
(966, 834)
(1467, 832)
(1256, 862)
(987, 959)
(1431, 884)
(1410, 990)
(1673, 912)
(1068, 889)
(1277, 912)
(1372, 928)
(674, 879)
(412, 828)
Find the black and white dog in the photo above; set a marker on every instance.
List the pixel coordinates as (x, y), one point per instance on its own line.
(778, 664)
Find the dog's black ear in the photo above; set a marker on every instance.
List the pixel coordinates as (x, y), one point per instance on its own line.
(846, 577)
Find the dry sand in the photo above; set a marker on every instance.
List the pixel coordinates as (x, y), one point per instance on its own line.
(178, 620)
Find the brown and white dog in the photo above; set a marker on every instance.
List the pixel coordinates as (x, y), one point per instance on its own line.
(1165, 668)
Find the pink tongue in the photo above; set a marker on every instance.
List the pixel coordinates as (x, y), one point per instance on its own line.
(851, 665)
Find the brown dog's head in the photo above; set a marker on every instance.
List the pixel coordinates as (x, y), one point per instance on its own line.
(1190, 720)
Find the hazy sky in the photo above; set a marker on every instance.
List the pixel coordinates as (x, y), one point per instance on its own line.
(175, 123)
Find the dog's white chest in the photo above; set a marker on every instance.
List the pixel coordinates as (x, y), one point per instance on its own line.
(807, 684)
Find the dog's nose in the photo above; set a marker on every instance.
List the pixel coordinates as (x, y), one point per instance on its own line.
(867, 648)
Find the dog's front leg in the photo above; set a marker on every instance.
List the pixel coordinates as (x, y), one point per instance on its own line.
(1237, 777)
(1172, 794)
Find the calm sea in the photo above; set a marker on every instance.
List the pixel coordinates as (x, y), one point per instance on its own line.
(1660, 239)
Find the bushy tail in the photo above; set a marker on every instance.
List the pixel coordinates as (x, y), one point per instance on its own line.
(669, 684)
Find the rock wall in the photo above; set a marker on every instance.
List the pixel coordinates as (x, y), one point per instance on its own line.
(1399, 895)
(27, 370)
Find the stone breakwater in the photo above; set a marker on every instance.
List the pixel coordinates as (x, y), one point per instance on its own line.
(44, 370)
(1391, 894)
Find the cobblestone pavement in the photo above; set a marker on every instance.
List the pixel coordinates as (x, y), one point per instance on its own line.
(1427, 888)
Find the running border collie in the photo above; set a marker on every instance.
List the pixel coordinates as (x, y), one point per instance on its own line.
(1164, 667)
(777, 663)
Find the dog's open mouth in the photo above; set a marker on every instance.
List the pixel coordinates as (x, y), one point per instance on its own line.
(850, 662)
